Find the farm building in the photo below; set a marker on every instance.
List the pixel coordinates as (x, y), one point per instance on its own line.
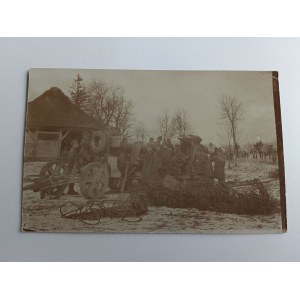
(52, 122)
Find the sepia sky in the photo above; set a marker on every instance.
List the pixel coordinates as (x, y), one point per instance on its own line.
(198, 92)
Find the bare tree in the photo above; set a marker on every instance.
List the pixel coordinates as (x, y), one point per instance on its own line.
(230, 109)
(122, 116)
(166, 126)
(108, 105)
(181, 123)
(225, 133)
(96, 100)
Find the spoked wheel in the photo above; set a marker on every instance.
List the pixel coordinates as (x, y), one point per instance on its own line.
(94, 180)
(53, 171)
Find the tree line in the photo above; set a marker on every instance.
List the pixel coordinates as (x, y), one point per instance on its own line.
(107, 104)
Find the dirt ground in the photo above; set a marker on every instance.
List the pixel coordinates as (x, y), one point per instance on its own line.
(44, 215)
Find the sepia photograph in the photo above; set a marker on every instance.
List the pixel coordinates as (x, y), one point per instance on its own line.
(140, 151)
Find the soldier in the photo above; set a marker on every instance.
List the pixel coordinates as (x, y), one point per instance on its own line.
(168, 143)
(165, 155)
(151, 167)
(274, 156)
(157, 144)
(71, 161)
(151, 140)
(219, 168)
(200, 163)
(196, 145)
(85, 153)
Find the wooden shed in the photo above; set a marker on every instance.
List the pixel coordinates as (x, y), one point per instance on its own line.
(50, 119)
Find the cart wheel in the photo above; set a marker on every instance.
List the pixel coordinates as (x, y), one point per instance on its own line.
(56, 170)
(94, 180)
(102, 141)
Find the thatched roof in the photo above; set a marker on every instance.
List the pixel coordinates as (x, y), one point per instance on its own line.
(54, 110)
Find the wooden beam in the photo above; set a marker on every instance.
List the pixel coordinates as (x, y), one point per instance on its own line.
(35, 145)
(59, 143)
(49, 132)
(65, 135)
(33, 136)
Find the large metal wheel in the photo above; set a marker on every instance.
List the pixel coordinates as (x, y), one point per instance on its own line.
(98, 141)
(94, 180)
(54, 172)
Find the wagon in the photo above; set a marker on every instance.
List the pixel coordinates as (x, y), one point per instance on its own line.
(105, 174)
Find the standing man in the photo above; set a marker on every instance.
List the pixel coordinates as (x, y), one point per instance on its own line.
(71, 161)
(151, 167)
(219, 169)
(85, 153)
(199, 161)
(157, 144)
(151, 140)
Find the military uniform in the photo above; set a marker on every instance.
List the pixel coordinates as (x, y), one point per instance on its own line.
(202, 165)
(85, 153)
(219, 168)
(72, 159)
(151, 167)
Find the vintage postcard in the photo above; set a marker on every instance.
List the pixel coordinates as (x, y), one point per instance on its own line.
(131, 151)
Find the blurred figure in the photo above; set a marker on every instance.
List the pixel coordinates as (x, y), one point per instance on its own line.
(219, 159)
(151, 141)
(158, 144)
(200, 163)
(85, 153)
(72, 159)
(151, 167)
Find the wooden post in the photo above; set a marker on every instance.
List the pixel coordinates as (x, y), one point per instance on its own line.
(34, 137)
(125, 178)
(35, 145)
(60, 138)
(64, 136)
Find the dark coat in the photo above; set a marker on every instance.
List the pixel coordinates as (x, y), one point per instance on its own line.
(72, 159)
(202, 165)
(219, 169)
(151, 167)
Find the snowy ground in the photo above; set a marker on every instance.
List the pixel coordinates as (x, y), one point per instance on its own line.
(44, 215)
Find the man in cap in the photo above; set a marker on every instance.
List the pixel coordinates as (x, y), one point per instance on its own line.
(197, 144)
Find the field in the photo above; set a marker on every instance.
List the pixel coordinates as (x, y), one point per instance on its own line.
(44, 216)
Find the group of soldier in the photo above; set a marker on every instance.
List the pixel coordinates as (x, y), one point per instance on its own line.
(189, 158)
(157, 158)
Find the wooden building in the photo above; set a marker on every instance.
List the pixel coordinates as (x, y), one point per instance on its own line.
(52, 119)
